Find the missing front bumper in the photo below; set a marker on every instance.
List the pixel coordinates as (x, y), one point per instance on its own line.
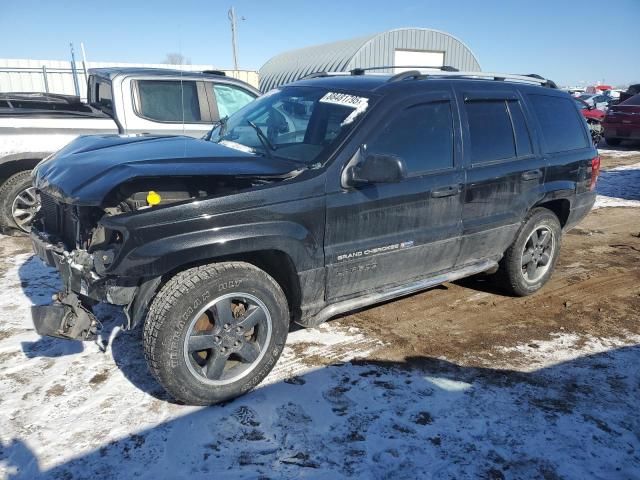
(66, 318)
(70, 315)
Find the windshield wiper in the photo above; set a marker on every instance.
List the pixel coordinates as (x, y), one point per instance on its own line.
(222, 123)
(268, 146)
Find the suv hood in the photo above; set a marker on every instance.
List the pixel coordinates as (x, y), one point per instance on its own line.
(90, 167)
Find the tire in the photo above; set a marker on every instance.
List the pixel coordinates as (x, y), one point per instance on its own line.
(18, 195)
(214, 306)
(519, 277)
(614, 142)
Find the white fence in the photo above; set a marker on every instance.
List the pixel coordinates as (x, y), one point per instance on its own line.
(57, 76)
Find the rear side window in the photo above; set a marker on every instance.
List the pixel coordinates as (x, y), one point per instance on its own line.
(421, 135)
(561, 123)
(230, 99)
(168, 101)
(490, 130)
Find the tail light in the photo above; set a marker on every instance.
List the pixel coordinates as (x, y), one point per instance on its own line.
(595, 171)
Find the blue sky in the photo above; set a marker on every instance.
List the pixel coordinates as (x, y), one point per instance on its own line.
(570, 41)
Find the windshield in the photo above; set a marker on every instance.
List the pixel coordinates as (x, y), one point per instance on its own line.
(581, 104)
(300, 124)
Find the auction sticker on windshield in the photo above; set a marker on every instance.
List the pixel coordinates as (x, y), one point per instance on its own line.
(359, 104)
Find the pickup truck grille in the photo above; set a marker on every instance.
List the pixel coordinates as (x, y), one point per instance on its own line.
(58, 220)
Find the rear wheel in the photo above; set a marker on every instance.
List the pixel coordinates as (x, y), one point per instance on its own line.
(18, 202)
(529, 262)
(614, 142)
(214, 332)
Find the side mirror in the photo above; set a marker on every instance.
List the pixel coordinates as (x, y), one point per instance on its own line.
(377, 168)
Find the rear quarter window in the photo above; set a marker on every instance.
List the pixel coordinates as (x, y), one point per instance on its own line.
(561, 123)
(490, 130)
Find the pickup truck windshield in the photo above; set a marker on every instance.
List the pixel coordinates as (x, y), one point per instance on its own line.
(301, 124)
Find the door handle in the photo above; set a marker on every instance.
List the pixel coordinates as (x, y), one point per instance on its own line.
(532, 174)
(447, 191)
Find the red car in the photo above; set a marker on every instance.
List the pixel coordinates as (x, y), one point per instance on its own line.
(588, 111)
(622, 121)
(594, 118)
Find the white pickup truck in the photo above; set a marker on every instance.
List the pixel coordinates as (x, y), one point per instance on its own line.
(121, 101)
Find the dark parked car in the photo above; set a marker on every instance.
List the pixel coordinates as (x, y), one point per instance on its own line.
(631, 91)
(320, 197)
(622, 121)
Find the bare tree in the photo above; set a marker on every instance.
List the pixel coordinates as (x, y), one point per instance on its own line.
(176, 59)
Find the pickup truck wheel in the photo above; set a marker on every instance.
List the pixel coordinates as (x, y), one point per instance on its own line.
(529, 262)
(614, 142)
(214, 332)
(18, 202)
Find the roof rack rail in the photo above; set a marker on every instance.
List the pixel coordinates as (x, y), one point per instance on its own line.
(324, 74)
(527, 78)
(404, 75)
(549, 83)
(444, 71)
(443, 68)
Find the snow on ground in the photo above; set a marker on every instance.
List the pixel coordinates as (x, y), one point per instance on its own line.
(565, 408)
(610, 152)
(620, 186)
(559, 408)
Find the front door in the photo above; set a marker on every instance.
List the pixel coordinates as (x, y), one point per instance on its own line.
(381, 235)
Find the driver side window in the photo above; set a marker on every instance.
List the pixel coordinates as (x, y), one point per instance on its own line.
(421, 135)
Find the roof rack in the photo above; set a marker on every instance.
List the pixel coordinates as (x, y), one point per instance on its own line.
(521, 78)
(444, 71)
(443, 68)
(362, 71)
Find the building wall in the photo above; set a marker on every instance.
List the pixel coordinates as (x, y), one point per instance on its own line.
(379, 51)
(26, 75)
(370, 51)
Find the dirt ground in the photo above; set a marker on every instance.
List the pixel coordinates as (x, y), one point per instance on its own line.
(503, 388)
(595, 291)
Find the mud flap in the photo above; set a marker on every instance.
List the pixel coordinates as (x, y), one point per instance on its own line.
(66, 319)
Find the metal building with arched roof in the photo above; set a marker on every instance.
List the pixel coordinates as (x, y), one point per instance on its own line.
(402, 47)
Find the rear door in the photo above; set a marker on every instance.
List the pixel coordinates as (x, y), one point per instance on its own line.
(504, 171)
(380, 235)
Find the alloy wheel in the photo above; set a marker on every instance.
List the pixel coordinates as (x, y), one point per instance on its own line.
(24, 207)
(537, 254)
(227, 338)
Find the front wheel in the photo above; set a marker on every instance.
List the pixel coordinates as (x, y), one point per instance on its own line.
(18, 202)
(529, 262)
(214, 332)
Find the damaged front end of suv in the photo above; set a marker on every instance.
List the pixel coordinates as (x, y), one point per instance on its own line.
(216, 243)
(100, 193)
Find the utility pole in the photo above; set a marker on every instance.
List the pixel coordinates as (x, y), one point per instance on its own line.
(234, 40)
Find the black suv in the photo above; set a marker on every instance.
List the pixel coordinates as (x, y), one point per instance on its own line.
(320, 197)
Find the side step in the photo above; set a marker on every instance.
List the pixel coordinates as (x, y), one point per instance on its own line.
(382, 296)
